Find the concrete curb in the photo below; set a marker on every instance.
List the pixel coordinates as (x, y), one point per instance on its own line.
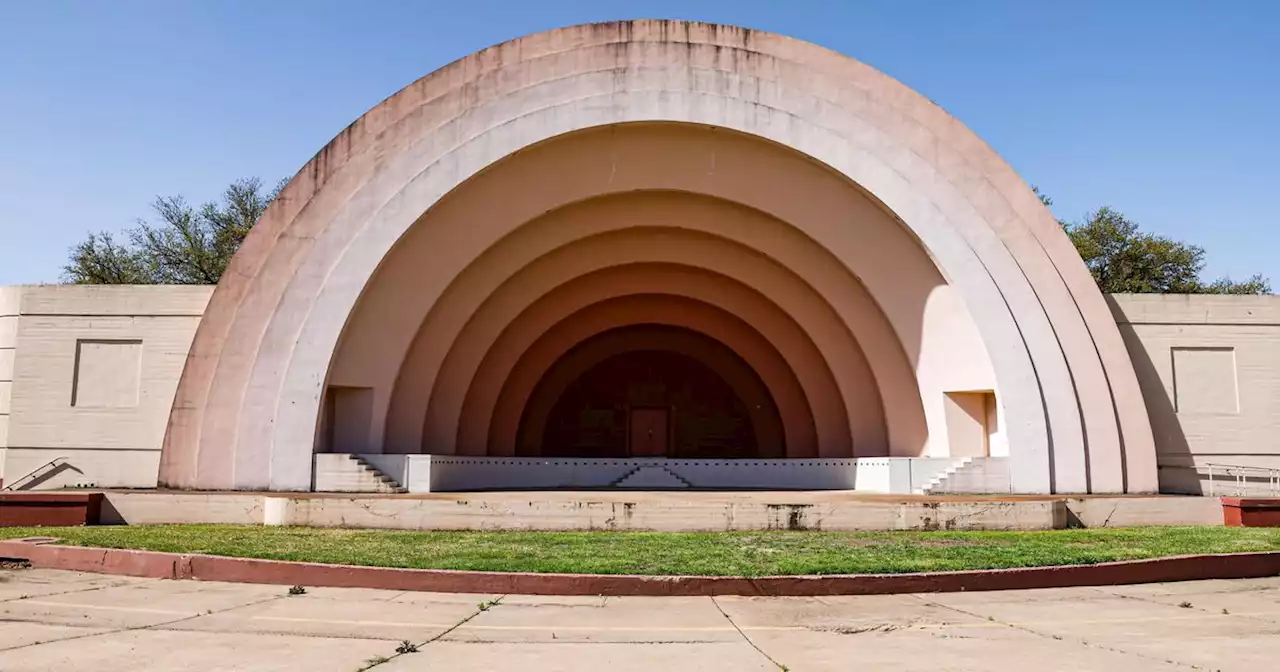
(42, 553)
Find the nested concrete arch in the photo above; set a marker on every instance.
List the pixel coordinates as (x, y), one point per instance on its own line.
(479, 364)
(494, 352)
(246, 410)
(764, 358)
(766, 419)
(791, 200)
(624, 217)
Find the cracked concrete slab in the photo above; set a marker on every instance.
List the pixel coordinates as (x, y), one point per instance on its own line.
(1261, 605)
(363, 615)
(175, 651)
(410, 597)
(22, 633)
(910, 650)
(1267, 585)
(583, 657)
(1153, 630)
(835, 614)
(78, 623)
(29, 583)
(136, 605)
(960, 599)
(616, 619)
(1085, 614)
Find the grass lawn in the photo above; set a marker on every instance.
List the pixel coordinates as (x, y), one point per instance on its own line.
(712, 553)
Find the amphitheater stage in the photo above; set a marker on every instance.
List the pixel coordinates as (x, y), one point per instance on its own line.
(689, 511)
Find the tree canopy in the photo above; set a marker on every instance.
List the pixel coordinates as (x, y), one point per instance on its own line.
(186, 245)
(1124, 259)
(192, 246)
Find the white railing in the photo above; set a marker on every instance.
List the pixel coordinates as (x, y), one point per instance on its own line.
(1244, 480)
(30, 475)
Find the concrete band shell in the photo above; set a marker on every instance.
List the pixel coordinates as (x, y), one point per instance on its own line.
(246, 411)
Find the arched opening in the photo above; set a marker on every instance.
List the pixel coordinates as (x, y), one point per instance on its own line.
(651, 391)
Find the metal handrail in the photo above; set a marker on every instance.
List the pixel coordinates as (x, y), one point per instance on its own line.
(1241, 474)
(33, 472)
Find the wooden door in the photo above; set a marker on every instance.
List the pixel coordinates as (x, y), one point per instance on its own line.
(649, 431)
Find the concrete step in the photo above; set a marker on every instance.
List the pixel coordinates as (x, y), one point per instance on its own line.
(349, 473)
(981, 475)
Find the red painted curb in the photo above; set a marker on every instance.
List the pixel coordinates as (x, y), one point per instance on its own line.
(41, 553)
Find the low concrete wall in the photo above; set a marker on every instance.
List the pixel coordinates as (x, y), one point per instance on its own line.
(1135, 511)
(159, 508)
(526, 513)
(748, 511)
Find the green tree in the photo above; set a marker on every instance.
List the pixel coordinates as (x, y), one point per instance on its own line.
(1124, 259)
(185, 246)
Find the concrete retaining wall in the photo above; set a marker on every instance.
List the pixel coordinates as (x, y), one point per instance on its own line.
(153, 508)
(656, 511)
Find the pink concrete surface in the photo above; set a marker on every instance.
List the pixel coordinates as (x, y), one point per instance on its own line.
(40, 553)
(494, 340)
(764, 252)
(247, 407)
(661, 294)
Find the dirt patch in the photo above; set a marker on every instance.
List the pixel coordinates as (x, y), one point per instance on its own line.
(942, 543)
(863, 543)
(9, 564)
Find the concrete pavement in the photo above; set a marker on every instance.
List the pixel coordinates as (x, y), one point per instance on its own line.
(53, 620)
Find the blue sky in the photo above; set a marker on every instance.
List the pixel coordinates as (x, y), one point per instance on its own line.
(1168, 111)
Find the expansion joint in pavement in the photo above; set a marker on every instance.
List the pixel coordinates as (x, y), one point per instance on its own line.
(408, 647)
(1252, 616)
(68, 592)
(1050, 635)
(755, 646)
(150, 626)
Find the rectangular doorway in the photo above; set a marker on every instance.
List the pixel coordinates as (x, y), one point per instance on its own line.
(347, 419)
(649, 431)
(972, 423)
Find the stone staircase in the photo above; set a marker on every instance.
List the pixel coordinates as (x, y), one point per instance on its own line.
(651, 477)
(971, 475)
(342, 472)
